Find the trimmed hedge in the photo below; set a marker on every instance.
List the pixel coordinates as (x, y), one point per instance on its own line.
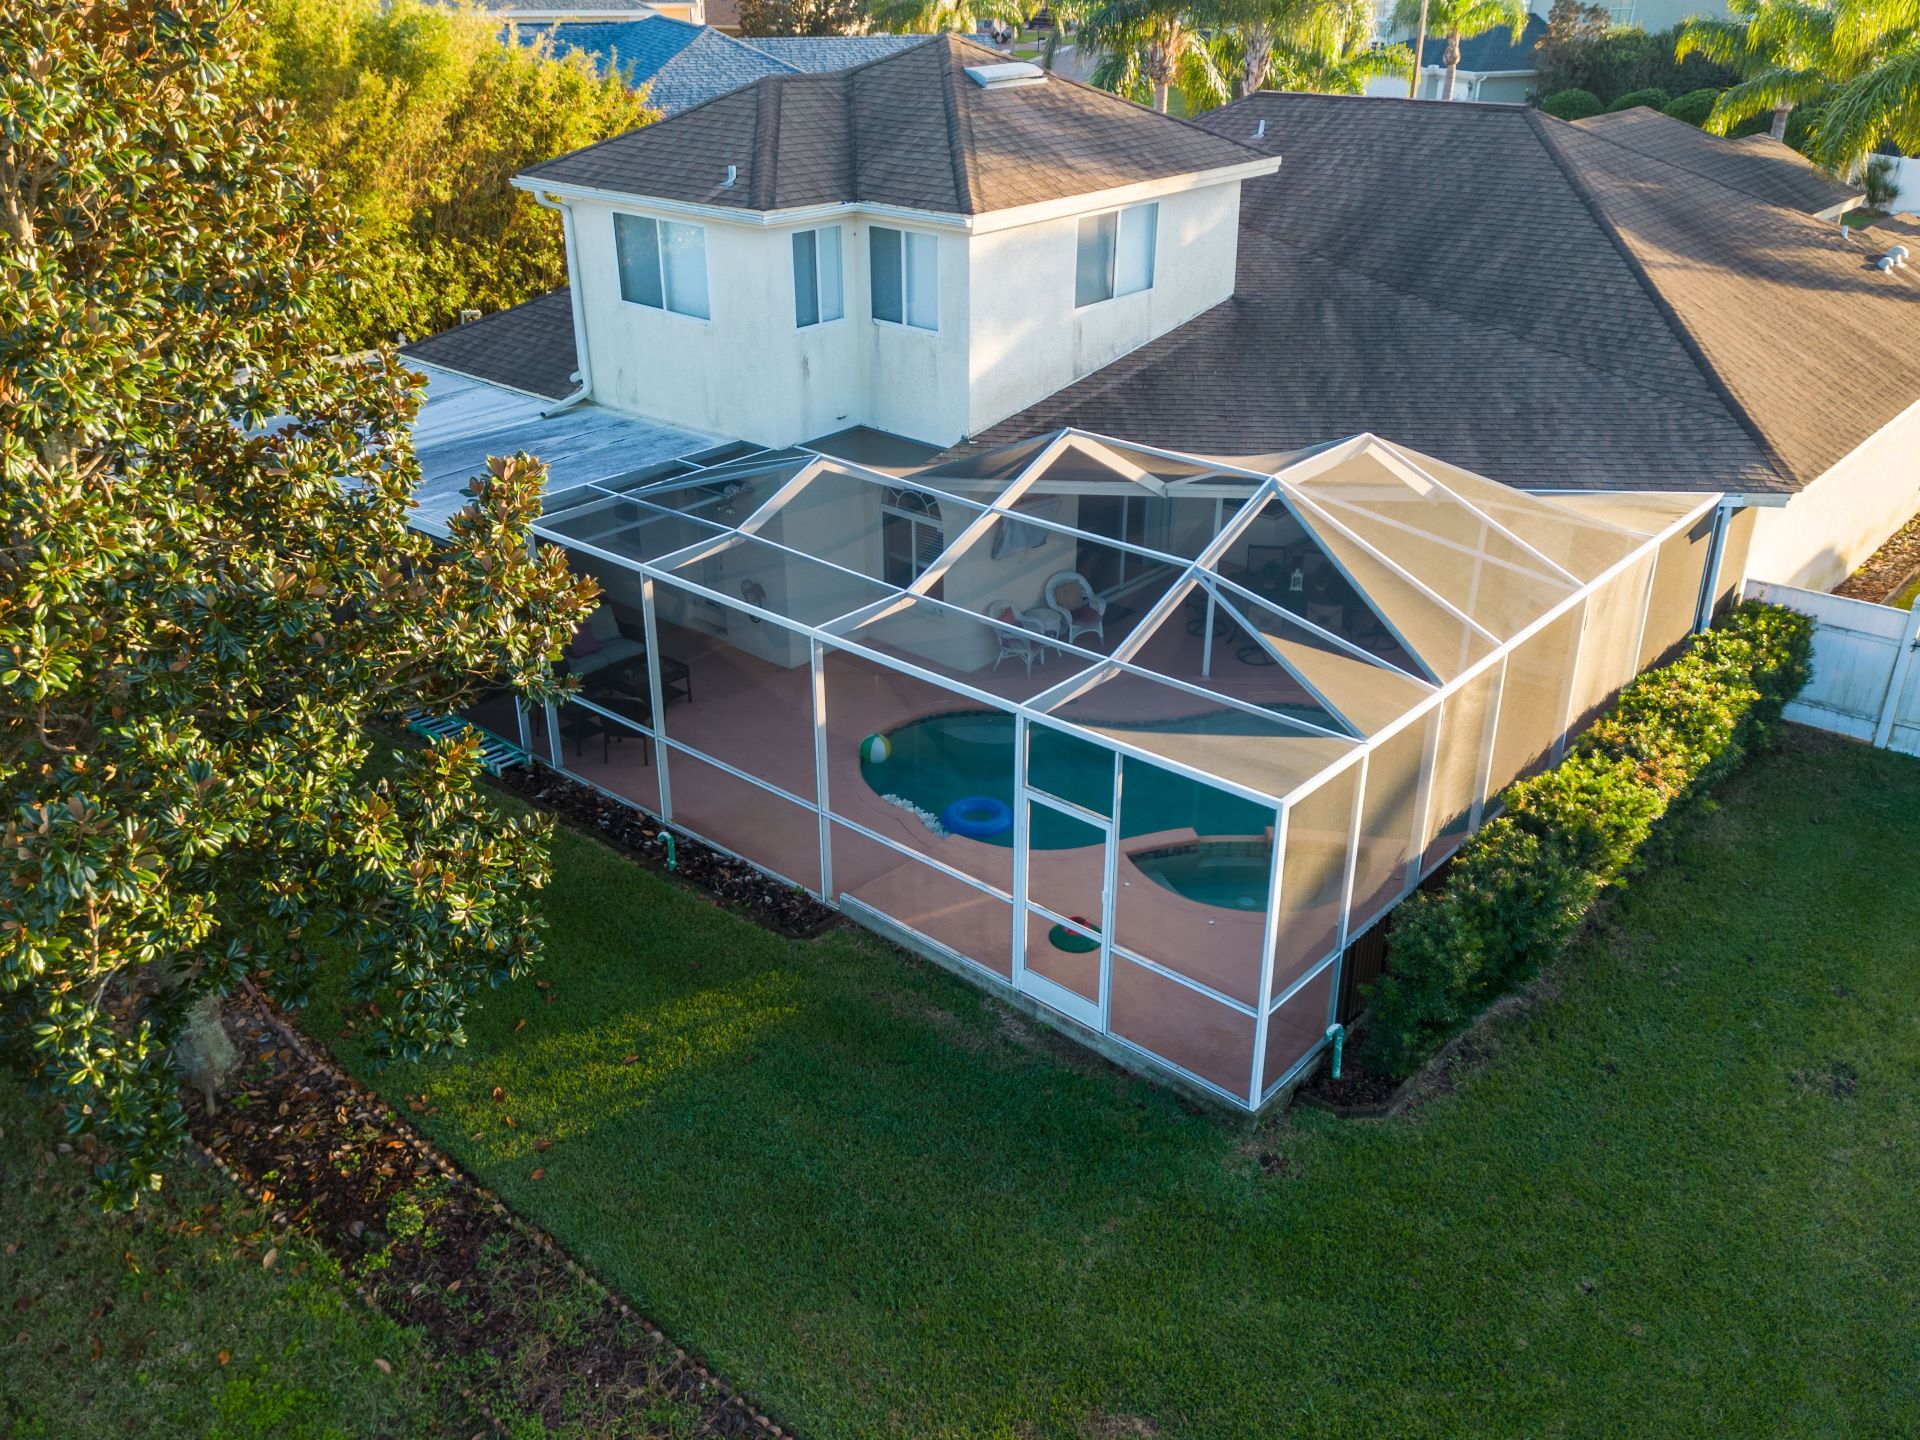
(1521, 886)
(1654, 98)
(1572, 104)
(1692, 107)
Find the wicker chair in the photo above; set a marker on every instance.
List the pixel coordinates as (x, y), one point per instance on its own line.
(1070, 594)
(1015, 642)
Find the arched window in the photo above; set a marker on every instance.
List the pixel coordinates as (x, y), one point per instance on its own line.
(911, 537)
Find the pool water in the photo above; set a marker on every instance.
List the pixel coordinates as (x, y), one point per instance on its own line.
(939, 759)
(1229, 873)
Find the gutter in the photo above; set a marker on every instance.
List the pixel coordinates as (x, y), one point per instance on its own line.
(584, 373)
(979, 224)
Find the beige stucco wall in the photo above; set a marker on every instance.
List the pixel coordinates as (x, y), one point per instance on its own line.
(1008, 334)
(1029, 340)
(1820, 536)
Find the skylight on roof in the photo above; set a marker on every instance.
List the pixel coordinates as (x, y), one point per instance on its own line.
(1006, 75)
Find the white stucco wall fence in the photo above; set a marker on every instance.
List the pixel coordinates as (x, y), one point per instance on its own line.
(1866, 682)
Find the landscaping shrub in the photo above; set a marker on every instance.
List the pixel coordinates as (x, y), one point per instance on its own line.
(1653, 98)
(1521, 886)
(1571, 105)
(1692, 107)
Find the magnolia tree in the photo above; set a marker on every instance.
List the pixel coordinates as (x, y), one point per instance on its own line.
(208, 591)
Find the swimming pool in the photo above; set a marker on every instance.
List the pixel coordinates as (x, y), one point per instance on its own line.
(941, 758)
(1228, 873)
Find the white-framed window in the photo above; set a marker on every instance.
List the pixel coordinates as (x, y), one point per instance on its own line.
(818, 292)
(904, 267)
(1116, 254)
(911, 536)
(663, 264)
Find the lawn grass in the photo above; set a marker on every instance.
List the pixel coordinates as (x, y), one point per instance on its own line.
(1678, 1199)
(1909, 593)
(166, 1323)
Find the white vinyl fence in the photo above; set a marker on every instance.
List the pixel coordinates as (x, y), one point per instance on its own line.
(1866, 676)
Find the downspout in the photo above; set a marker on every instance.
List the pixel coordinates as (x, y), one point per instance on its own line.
(583, 374)
(1710, 582)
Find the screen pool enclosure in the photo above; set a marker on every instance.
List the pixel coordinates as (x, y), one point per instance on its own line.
(1140, 737)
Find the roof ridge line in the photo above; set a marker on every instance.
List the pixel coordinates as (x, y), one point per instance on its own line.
(1718, 184)
(1628, 380)
(1662, 306)
(766, 142)
(1462, 313)
(959, 155)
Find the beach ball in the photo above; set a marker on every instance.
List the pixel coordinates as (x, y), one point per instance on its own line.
(875, 749)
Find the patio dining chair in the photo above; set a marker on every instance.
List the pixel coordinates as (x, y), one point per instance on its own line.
(1015, 642)
(1070, 594)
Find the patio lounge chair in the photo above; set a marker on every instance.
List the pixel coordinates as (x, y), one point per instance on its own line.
(603, 641)
(1070, 594)
(1015, 643)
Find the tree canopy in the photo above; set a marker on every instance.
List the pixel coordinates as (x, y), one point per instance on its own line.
(1854, 63)
(209, 592)
(416, 117)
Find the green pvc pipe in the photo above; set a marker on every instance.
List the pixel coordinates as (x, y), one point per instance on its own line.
(672, 856)
(1338, 1034)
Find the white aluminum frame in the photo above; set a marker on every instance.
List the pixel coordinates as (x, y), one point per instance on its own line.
(1250, 490)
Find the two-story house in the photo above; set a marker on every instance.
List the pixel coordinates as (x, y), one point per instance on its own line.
(922, 245)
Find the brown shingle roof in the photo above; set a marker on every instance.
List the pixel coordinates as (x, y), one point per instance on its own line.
(529, 347)
(910, 129)
(1522, 297)
(1758, 164)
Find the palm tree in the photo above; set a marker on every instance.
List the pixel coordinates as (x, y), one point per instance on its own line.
(1337, 72)
(1149, 46)
(1323, 45)
(931, 17)
(1859, 60)
(1458, 20)
(1880, 103)
(1784, 51)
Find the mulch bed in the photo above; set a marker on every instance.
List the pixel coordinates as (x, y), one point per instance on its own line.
(1358, 1091)
(542, 1335)
(1886, 571)
(737, 885)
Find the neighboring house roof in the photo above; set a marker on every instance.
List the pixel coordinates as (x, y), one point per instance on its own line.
(911, 129)
(686, 65)
(1491, 53)
(1757, 164)
(682, 65)
(815, 53)
(529, 347)
(1523, 297)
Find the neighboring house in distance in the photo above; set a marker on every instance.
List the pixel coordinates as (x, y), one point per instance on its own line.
(684, 65)
(886, 246)
(1494, 67)
(599, 12)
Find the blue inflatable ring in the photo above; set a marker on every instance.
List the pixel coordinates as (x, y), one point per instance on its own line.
(978, 817)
